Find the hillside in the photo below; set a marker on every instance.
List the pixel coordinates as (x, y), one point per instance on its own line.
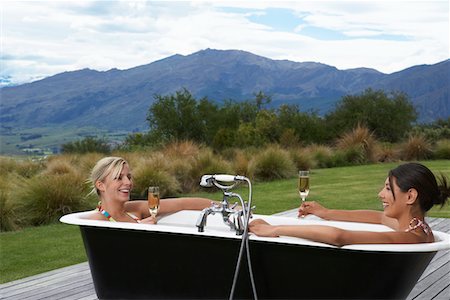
(118, 100)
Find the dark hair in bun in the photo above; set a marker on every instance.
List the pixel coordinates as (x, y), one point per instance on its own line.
(420, 178)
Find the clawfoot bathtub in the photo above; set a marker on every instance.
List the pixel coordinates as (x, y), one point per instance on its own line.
(172, 260)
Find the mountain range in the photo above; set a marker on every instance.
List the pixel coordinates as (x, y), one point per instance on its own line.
(119, 99)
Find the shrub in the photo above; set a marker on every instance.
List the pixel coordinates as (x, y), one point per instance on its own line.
(43, 199)
(359, 145)
(303, 159)
(289, 138)
(273, 163)
(442, 149)
(87, 145)
(416, 148)
(59, 167)
(242, 163)
(180, 169)
(207, 163)
(8, 218)
(24, 167)
(153, 171)
(323, 155)
(181, 149)
(355, 156)
(386, 152)
(247, 135)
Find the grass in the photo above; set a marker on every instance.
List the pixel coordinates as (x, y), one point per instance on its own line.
(39, 249)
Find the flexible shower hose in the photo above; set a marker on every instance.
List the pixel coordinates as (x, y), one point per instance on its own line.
(245, 245)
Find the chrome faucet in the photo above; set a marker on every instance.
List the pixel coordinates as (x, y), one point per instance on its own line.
(230, 216)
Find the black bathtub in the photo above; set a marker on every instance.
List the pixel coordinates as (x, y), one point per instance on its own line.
(172, 260)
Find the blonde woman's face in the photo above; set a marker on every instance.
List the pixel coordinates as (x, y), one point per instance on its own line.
(117, 189)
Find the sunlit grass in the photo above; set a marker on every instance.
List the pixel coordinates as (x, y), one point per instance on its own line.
(39, 249)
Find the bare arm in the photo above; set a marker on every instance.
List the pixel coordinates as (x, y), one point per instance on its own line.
(169, 205)
(364, 216)
(334, 236)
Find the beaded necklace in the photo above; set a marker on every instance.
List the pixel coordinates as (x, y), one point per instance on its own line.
(108, 215)
(416, 223)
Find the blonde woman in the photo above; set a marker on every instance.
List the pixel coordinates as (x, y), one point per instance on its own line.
(112, 181)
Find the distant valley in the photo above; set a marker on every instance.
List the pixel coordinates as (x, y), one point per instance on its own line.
(116, 101)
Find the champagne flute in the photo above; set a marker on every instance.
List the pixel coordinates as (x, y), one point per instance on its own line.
(153, 200)
(303, 184)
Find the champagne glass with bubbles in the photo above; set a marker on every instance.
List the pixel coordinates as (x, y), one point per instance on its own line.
(153, 200)
(303, 184)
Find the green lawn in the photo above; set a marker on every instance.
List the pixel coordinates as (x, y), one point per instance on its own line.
(39, 249)
(36, 250)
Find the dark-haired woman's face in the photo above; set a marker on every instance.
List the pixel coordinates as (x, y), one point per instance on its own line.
(392, 207)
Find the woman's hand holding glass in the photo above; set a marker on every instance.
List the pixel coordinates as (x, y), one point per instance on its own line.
(311, 208)
(153, 200)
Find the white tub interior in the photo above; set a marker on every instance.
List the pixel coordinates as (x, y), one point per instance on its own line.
(183, 222)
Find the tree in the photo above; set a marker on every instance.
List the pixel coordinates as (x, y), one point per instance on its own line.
(308, 127)
(389, 116)
(267, 126)
(176, 117)
(262, 99)
(86, 145)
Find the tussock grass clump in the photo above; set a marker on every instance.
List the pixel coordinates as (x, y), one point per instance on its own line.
(352, 155)
(442, 149)
(358, 146)
(154, 171)
(182, 149)
(417, 147)
(24, 167)
(180, 169)
(302, 158)
(387, 152)
(323, 155)
(273, 163)
(8, 218)
(43, 199)
(242, 163)
(207, 163)
(59, 167)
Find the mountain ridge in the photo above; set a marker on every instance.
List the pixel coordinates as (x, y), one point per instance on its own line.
(119, 99)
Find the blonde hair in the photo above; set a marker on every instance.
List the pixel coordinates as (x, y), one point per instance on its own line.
(107, 166)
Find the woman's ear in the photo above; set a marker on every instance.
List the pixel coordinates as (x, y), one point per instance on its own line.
(100, 186)
(412, 196)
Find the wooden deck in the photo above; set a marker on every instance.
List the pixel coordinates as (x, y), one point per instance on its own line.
(75, 282)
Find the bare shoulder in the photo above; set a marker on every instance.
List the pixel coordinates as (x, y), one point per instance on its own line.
(96, 215)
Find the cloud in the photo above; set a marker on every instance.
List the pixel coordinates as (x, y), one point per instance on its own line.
(42, 38)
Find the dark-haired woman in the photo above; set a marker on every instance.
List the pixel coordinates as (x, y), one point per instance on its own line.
(409, 191)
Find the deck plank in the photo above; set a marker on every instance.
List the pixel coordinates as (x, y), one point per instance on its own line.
(75, 282)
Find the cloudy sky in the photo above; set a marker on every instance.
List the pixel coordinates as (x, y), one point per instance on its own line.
(43, 38)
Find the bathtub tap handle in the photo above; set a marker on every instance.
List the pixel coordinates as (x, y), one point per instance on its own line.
(237, 221)
(201, 221)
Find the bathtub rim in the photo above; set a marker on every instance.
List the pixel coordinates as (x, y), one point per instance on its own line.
(443, 242)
